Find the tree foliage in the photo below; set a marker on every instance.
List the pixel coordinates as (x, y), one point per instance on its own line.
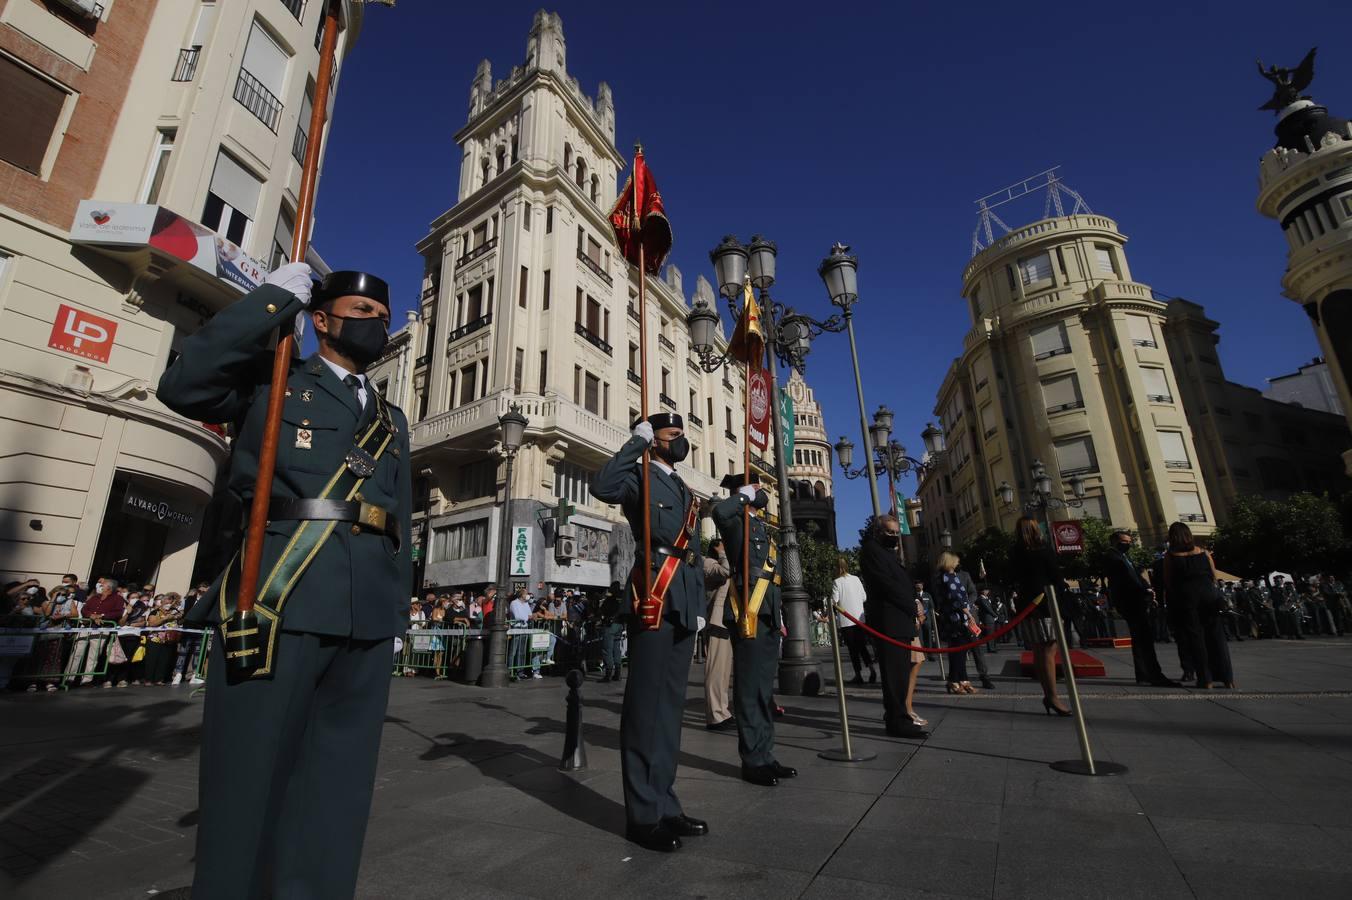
(819, 564)
(991, 549)
(1303, 534)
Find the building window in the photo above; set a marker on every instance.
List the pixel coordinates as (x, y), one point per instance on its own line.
(282, 238)
(713, 465)
(591, 400)
(518, 370)
(1156, 385)
(572, 483)
(466, 540)
(479, 235)
(605, 400)
(593, 250)
(1095, 507)
(666, 381)
(549, 220)
(1175, 450)
(1189, 506)
(581, 172)
(633, 358)
(1075, 456)
(1103, 260)
(546, 290)
(595, 189)
(467, 383)
(544, 371)
(577, 385)
(33, 107)
(1033, 269)
(232, 200)
(527, 212)
(1061, 393)
(521, 299)
(262, 77)
(159, 164)
(1141, 332)
(1049, 340)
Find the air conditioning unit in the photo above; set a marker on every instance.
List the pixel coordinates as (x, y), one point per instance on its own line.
(565, 548)
(87, 8)
(567, 531)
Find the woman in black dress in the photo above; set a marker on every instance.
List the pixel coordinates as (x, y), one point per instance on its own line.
(1195, 608)
(1035, 567)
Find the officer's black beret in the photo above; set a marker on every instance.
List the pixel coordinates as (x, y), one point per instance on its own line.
(351, 284)
(734, 481)
(665, 420)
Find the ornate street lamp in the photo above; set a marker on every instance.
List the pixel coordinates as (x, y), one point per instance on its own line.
(946, 539)
(889, 457)
(513, 426)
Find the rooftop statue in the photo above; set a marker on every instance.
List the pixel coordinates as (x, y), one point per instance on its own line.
(1289, 82)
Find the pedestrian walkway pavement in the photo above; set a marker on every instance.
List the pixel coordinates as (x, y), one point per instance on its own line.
(1244, 793)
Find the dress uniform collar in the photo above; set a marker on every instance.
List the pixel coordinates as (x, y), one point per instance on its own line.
(330, 382)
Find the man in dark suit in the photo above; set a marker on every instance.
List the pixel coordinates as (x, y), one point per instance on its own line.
(754, 625)
(289, 752)
(1133, 599)
(660, 649)
(890, 607)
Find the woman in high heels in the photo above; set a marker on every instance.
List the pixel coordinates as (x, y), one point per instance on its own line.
(955, 611)
(1190, 580)
(1035, 568)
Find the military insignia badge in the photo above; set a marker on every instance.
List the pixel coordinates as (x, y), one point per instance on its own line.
(361, 463)
(306, 396)
(304, 439)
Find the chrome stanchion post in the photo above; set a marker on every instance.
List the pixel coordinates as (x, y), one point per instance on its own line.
(846, 753)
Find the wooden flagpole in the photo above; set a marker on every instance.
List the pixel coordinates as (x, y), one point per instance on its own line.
(636, 223)
(281, 360)
(746, 479)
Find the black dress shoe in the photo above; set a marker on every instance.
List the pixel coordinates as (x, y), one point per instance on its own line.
(728, 724)
(685, 826)
(1163, 682)
(988, 684)
(905, 732)
(872, 676)
(762, 775)
(657, 837)
(782, 771)
(857, 679)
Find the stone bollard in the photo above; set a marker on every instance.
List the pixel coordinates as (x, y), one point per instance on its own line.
(574, 749)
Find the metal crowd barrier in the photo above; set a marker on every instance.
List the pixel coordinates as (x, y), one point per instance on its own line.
(71, 651)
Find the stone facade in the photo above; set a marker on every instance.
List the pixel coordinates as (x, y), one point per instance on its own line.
(810, 470)
(143, 110)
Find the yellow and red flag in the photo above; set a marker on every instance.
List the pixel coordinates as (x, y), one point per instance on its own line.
(747, 343)
(640, 220)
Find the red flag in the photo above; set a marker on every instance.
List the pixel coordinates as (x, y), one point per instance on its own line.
(646, 225)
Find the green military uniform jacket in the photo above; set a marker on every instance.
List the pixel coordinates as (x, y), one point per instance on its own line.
(358, 584)
(728, 520)
(619, 482)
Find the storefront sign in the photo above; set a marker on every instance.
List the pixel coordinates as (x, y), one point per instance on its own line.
(1069, 537)
(520, 558)
(82, 333)
(156, 507)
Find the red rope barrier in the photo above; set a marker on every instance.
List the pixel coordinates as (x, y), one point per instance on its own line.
(1003, 629)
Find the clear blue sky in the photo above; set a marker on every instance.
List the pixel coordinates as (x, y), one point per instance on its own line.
(876, 125)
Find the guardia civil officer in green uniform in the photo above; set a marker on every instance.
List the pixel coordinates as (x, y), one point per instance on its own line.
(659, 658)
(755, 628)
(289, 754)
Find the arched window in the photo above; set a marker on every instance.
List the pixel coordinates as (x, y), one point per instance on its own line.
(515, 144)
(567, 157)
(484, 181)
(595, 189)
(819, 490)
(581, 173)
(502, 159)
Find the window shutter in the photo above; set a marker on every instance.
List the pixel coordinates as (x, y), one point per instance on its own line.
(1075, 455)
(1058, 392)
(233, 184)
(1175, 449)
(1104, 258)
(1092, 508)
(987, 418)
(1140, 330)
(1036, 268)
(281, 233)
(1189, 505)
(32, 108)
(1049, 340)
(981, 372)
(206, 22)
(266, 61)
(1156, 383)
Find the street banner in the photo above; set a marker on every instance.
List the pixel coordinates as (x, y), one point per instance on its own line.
(520, 559)
(758, 401)
(1069, 537)
(786, 424)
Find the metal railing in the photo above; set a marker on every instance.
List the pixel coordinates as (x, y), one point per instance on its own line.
(695, 420)
(470, 327)
(423, 360)
(1160, 398)
(635, 377)
(730, 435)
(595, 267)
(1060, 351)
(1062, 407)
(1142, 342)
(1191, 517)
(296, 7)
(1177, 464)
(299, 143)
(260, 101)
(666, 401)
(477, 252)
(186, 67)
(665, 342)
(633, 312)
(592, 338)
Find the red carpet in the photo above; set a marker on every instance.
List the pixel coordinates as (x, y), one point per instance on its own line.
(1118, 643)
(1086, 666)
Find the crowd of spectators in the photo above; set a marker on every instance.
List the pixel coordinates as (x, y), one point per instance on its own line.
(109, 635)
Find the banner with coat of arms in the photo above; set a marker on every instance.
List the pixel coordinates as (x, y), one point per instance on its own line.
(758, 397)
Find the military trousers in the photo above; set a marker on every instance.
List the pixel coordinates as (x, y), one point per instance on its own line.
(287, 770)
(754, 664)
(650, 722)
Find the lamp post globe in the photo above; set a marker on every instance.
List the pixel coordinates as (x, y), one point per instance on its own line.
(946, 539)
(845, 452)
(513, 425)
(703, 323)
(883, 418)
(933, 436)
(1006, 493)
(730, 259)
(840, 273)
(1077, 486)
(762, 262)
(880, 433)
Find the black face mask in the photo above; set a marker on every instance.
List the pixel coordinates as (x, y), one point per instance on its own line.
(360, 339)
(887, 539)
(762, 500)
(676, 449)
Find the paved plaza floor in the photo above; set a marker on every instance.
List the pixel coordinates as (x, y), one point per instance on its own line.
(1244, 793)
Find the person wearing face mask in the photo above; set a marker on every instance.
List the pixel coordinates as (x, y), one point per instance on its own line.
(289, 753)
(1133, 599)
(890, 607)
(102, 608)
(753, 619)
(659, 657)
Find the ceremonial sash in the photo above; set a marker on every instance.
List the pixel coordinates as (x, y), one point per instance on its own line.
(746, 618)
(649, 611)
(305, 542)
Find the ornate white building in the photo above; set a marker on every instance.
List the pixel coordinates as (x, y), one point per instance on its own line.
(810, 468)
(526, 301)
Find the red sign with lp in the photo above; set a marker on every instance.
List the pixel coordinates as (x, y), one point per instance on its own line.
(82, 333)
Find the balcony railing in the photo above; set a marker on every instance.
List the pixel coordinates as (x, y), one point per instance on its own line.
(470, 327)
(423, 360)
(430, 291)
(592, 338)
(730, 434)
(251, 94)
(666, 401)
(695, 420)
(1191, 517)
(635, 377)
(1160, 398)
(1059, 351)
(1142, 342)
(296, 7)
(299, 143)
(662, 339)
(186, 67)
(595, 267)
(1062, 407)
(1177, 464)
(477, 252)
(633, 312)
(727, 384)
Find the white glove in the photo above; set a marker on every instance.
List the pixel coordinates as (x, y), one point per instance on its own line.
(644, 430)
(293, 277)
(748, 491)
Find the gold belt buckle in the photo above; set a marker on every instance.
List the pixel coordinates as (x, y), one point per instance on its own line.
(371, 516)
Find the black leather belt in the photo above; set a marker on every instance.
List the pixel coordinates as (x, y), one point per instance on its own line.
(687, 555)
(366, 516)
